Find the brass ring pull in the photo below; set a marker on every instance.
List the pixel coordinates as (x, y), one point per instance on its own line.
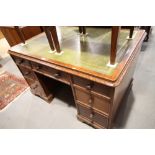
(38, 67)
(90, 101)
(91, 115)
(57, 75)
(89, 86)
(34, 87)
(27, 73)
(20, 61)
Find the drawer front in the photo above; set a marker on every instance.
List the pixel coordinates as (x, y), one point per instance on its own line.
(93, 86)
(35, 87)
(22, 62)
(93, 117)
(31, 82)
(27, 73)
(85, 112)
(82, 96)
(101, 104)
(100, 119)
(102, 89)
(97, 102)
(86, 84)
(56, 74)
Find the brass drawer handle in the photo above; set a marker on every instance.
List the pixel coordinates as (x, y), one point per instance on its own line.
(27, 73)
(20, 61)
(57, 75)
(90, 101)
(88, 86)
(34, 87)
(38, 67)
(91, 115)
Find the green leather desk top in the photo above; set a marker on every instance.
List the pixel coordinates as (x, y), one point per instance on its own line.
(90, 52)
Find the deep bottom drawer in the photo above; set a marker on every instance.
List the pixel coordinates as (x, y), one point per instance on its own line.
(95, 119)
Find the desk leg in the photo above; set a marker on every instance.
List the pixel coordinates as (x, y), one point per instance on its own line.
(49, 37)
(131, 32)
(82, 29)
(20, 34)
(55, 38)
(114, 39)
(41, 28)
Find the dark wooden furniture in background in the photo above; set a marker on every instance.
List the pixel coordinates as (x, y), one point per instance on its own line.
(20, 33)
(97, 96)
(17, 34)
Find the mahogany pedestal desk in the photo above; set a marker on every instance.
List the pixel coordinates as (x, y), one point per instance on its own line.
(97, 88)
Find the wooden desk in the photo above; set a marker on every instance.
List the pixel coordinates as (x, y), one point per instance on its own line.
(97, 88)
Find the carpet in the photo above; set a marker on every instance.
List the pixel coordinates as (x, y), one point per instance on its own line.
(11, 86)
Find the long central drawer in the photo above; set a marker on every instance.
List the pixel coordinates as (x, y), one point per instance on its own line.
(51, 72)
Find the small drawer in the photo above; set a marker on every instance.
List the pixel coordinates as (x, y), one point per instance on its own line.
(30, 82)
(87, 84)
(95, 118)
(22, 62)
(92, 86)
(82, 96)
(97, 102)
(100, 120)
(51, 72)
(36, 88)
(101, 104)
(27, 73)
(85, 112)
(102, 89)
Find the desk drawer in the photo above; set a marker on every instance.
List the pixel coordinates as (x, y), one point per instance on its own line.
(22, 62)
(51, 72)
(36, 87)
(92, 86)
(27, 73)
(37, 90)
(82, 96)
(97, 102)
(86, 84)
(93, 117)
(102, 89)
(30, 82)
